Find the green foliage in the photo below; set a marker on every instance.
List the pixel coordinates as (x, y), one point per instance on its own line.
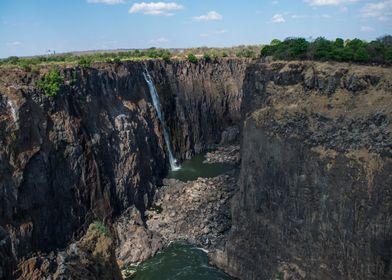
(51, 83)
(192, 58)
(361, 55)
(322, 49)
(248, 53)
(100, 228)
(388, 56)
(85, 61)
(116, 60)
(207, 57)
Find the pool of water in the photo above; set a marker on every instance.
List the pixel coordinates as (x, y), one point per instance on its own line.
(194, 168)
(179, 261)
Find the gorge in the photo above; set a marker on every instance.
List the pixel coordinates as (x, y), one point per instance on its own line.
(310, 198)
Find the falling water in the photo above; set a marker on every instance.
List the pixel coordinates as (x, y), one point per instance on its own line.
(13, 110)
(157, 105)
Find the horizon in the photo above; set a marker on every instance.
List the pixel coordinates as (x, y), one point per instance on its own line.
(31, 28)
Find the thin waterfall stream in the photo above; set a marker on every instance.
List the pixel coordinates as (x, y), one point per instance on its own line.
(157, 105)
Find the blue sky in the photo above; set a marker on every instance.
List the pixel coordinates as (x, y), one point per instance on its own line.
(29, 27)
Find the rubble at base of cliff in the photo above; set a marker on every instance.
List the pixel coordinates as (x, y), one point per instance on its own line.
(225, 154)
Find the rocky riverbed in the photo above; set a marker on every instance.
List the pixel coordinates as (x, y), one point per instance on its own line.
(197, 212)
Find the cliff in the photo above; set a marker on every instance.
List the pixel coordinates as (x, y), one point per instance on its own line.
(96, 148)
(316, 174)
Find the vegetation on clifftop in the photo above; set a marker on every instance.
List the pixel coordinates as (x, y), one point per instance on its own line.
(356, 50)
(51, 83)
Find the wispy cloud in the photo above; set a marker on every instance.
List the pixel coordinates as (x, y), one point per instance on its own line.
(380, 10)
(212, 15)
(278, 18)
(329, 2)
(160, 40)
(367, 29)
(13, 44)
(110, 2)
(155, 8)
(213, 33)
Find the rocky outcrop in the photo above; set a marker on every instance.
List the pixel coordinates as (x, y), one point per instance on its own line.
(96, 148)
(196, 211)
(201, 101)
(90, 258)
(316, 174)
(90, 152)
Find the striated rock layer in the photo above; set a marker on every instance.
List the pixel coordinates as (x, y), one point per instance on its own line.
(96, 148)
(316, 174)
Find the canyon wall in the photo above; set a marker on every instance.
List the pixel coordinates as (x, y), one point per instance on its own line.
(202, 101)
(96, 148)
(316, 174)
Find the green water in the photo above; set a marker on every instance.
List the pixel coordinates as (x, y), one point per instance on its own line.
(179, 261)
(195, 168)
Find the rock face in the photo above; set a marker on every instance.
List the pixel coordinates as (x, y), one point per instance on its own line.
(90, 152)
(96, 149)
(202, 102)
(316, 174)
(90, 258)
(196, 211)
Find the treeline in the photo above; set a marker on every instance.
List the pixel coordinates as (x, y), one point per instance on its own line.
(356, 50)
(86, 59)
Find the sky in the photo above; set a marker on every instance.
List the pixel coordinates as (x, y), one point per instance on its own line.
(33, 27)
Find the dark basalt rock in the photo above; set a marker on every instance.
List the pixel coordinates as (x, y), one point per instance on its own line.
(96, 149)
(316, 176)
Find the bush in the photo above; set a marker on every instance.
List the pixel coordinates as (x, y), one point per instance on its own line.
(192, 58)
(85, 61)
(51, 83)
(100, 228)
(207, 57)
(338, 50)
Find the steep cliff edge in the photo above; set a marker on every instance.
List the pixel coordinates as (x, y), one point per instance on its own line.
(316, 174)
(96, 148)
(201, 101)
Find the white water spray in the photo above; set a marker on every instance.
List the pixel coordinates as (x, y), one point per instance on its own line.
(157, 105)
(13, 110)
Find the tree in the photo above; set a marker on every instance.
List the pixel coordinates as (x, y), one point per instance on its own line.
(192, 58)
(361, 55)
(51, 83)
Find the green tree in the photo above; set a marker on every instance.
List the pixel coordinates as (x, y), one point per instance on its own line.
(85, 61)
(192, 58)
(51, 83)
(361, 55)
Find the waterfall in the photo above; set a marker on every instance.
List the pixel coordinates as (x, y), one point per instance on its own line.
(13, 110)
(157, 105)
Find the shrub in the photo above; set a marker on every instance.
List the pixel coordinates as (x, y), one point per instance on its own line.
(116, 60)
(100, 228)
(85, 61)
(51, 83)
(192, 58)
(207, 57)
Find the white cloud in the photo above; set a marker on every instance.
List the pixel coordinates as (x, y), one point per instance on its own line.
(13, 44)
(160, 40)
(329, 2)
(380, 10)
(209, 16)
(275, 2)
(155, 8)
(110, 2)
(278, 18)
(367, 29)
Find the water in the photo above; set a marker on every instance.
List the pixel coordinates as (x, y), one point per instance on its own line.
(13, 110)
(179, 261)
(157, 106)
(195, 168)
